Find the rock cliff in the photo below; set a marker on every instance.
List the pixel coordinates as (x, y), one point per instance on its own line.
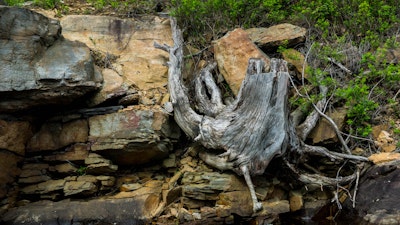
(87, 134)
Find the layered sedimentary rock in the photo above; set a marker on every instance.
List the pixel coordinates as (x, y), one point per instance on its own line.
(39, 67)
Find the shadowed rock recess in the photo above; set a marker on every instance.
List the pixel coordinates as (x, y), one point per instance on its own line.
(88, 131)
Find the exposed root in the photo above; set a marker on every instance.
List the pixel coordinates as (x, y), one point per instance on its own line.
(320, 179)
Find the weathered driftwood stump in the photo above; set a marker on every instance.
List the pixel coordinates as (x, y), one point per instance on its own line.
(256, 126)
(251, 130)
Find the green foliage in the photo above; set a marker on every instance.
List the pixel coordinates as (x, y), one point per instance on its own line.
(14, 2)
(377, 66)
(373, 84)
(219, 16)
(46, 4)
(360, 107)
(131, 6)
(81, 171)
(98, 4)
(364, 20)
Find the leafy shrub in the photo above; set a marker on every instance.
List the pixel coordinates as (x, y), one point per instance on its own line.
(363, 20)
(218, 16)
(46, 4)
(360, 107)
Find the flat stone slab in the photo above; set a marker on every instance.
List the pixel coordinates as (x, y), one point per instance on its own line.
(133, 136)
(98, 211)
(286, 33)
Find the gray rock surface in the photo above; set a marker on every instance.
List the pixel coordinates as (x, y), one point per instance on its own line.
(377, 200)
(133, 136)
(97, 211)
(39, 66)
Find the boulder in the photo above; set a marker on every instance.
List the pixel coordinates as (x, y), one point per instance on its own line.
(64, 168)
(377, 196)
(113, 87)
(134, 135)
(232, 53)
(39, 67)
(282, 34)
(127, 46)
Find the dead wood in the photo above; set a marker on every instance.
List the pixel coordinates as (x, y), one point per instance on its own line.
(254, 128)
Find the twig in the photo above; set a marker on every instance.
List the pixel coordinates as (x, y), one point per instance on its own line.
(337, 131)
(397, 93)
(338, 203)
(356, 137)
(372, 89)
(312, 119)
(196, 53)
(356, 186)
(339, 65)
(320, 179)
(333, 155)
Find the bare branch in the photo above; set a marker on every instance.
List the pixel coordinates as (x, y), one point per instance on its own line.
(320, 179)
(319, 150)
(339, 65)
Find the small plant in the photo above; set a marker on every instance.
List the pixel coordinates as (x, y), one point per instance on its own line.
(15, 2)
(47, 4)
(81, 171)
(98, 4)
(360, 107)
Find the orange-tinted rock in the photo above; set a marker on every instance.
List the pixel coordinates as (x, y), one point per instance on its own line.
(75, 152)
(8, 170)
(130, 41)
(383, 157)
(297, 59)
(323, 131)
(55, 135)
(296, 201)
(385, 141)
(113, 86)
(232, 53)
(14, 135)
